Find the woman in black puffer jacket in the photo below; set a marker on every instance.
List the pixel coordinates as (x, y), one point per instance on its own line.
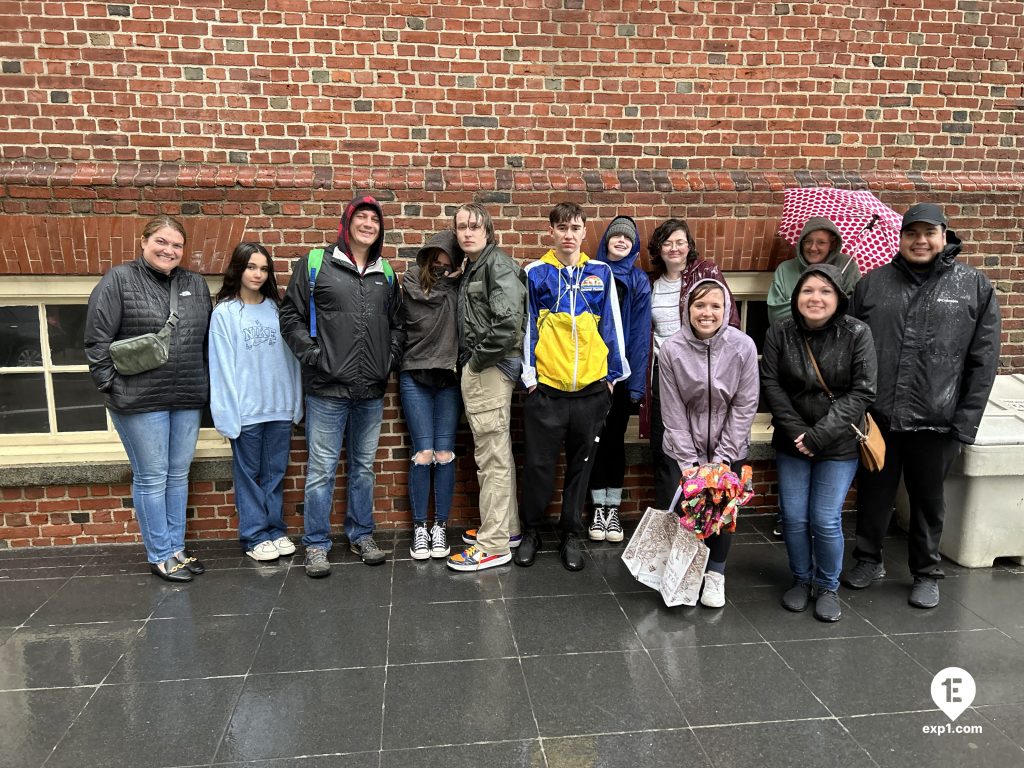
(815, 443)
(156, 412)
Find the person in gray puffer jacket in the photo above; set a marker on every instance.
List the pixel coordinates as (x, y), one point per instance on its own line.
(815, 440)
(156, 413)
(709, 392)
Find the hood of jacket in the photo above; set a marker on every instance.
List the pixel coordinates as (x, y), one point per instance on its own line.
(814, 224)
(621, 268)
(445, 241)
(834, 277)
(343, 244)
(686, 330)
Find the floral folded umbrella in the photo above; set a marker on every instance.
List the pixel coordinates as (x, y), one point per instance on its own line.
(870, 229)
(711, 498)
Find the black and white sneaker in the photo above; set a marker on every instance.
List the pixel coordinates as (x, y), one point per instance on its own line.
(612, 526)
(598, 530)
(439, 541)
(420, 548)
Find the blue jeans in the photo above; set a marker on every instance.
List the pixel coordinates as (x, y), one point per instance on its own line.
(259, 460)
(432, 415)
(329, 420)
(811, 495)
(160, 446)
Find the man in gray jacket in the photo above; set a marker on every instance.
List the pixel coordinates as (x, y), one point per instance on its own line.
(935, 322)
(492, 300)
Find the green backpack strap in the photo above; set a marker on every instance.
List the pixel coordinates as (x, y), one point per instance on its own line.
(313, 262)
(389, 273)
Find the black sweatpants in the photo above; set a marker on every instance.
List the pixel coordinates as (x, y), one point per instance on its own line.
(551, 421)
(610, 463)
(924, 459)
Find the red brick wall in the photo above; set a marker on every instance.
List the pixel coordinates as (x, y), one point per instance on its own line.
(261, 118)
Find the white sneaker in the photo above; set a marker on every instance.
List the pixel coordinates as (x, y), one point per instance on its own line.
(264, 551)
(597, 530)
(284, 546)
(713, 595)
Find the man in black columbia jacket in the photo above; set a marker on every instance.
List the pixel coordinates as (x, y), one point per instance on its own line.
(935, 323)
(348, 341)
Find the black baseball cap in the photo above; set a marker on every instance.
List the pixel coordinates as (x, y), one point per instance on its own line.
(926, 212)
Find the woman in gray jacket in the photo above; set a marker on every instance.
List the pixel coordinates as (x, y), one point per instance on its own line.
(429, 386)
(709, 392)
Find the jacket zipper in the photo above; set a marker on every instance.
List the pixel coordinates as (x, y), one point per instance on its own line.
(707, 445)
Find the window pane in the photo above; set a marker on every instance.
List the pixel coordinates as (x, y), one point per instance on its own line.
(757, 322)
(23, 403)
(66, 325)
(79, 403)
(19, 337)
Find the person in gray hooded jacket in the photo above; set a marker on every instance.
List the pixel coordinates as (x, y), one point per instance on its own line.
(820, 242)
(818, 372)
(709, 393)
(429, 386)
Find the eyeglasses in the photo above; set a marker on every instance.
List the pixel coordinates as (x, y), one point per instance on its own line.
(675, 245)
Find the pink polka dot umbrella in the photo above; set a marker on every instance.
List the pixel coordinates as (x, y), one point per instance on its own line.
(870, 229)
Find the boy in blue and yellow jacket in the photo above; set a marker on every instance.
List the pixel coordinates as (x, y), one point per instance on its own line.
(573, 354)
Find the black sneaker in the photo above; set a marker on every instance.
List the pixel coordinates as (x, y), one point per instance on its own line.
(925, 593)
(572, 555)
(797, 597)
(862, 574)
(777, 528)
(827, 606)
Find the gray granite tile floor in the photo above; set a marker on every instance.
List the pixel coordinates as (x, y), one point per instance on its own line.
(410, 664)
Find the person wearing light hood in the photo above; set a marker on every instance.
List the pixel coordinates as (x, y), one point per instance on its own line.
(709, 393)
(348, 339)
(619, 249)
(429, 387)
(820, 242)
(818, 372)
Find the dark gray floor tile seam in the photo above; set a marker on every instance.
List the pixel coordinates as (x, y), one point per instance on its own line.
(522, 674)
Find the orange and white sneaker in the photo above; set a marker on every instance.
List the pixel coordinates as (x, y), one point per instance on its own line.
(475, 559)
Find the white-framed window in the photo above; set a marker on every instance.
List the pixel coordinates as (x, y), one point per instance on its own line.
(50, 411)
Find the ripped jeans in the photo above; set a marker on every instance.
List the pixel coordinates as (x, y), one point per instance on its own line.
(432, 415)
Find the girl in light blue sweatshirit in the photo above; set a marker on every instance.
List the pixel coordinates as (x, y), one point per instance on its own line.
(255, 396)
